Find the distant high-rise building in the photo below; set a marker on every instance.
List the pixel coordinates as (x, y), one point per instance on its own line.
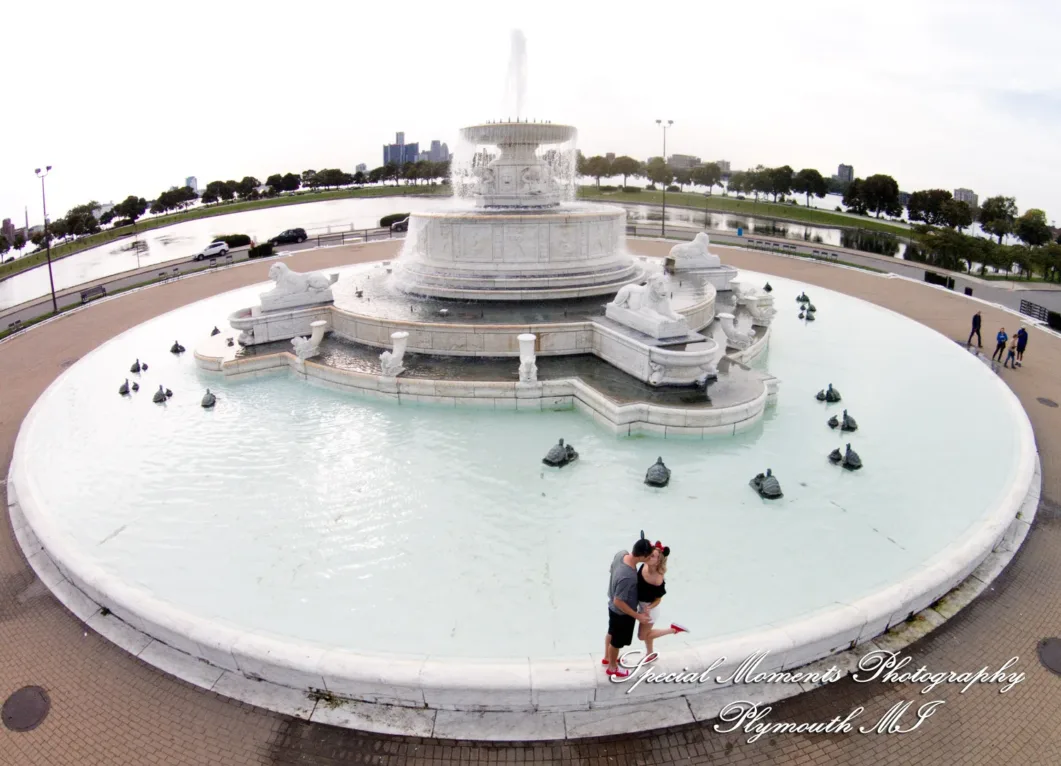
(361, 168)
(683, 161)
(7, 231)
(400, 152)
(723, 165)
(846, 173)
(192, 183)
(968, 196)
(610, 156)
(904, 197)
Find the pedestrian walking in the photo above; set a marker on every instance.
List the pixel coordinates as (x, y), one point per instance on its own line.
(976, 332)
(1022, 343)
(1000, 339)
(1011, 356)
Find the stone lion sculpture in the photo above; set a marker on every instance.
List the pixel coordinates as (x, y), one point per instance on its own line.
(650, 299)
(290, 282)
(695, 254)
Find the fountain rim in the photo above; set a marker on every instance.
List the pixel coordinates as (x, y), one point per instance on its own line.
(84, 586)
(518, 133)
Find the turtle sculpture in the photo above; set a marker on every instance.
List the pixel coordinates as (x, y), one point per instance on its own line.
(810, 316)
(176, 348)
(560, 454)
(801, 315)
(828, 395)
(767, 288)
(209, 400)
(849, 459)
(160, 396)
(658, 475)
(852, 461)
(849, 423)
(137, 366)
(215, 331)
(136, 386)
(810, 307)
(834, 422)
(802, 298)
(767, 485)
(123, 389)
(168, 393)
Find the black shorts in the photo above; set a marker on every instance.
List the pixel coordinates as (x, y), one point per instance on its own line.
(621, 629)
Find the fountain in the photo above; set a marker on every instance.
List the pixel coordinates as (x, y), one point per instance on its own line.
(290, 515)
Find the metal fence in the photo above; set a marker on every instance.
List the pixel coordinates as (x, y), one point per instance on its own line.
(1035, 311)
(333, 238)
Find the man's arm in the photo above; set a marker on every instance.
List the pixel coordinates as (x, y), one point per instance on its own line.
(623, 607)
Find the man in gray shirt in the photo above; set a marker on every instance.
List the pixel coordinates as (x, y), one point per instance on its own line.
(622, 604)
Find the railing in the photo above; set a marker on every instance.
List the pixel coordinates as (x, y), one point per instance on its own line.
(332, 239)
(1035, 311)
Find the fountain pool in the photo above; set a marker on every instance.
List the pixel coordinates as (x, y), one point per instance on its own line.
(319, 518)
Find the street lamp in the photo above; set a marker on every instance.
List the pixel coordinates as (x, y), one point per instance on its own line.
(47, 239)
(663, 223)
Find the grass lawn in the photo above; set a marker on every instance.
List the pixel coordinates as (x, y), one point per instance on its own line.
(719, 204)
(224, 208)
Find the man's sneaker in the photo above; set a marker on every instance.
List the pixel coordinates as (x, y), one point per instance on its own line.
(618, 672)
(678, 628)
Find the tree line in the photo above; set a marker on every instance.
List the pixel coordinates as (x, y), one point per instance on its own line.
(83, 220)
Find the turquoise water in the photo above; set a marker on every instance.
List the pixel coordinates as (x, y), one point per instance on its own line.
(321, 516)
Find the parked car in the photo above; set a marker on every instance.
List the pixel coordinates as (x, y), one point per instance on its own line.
(215, 248)
(402, 225)
(289, 236)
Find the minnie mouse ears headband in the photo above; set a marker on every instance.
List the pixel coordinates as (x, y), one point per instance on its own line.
(664, 549)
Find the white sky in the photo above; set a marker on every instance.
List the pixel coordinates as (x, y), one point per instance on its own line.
(131, 97)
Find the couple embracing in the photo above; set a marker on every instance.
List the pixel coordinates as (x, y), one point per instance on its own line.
(635, 589)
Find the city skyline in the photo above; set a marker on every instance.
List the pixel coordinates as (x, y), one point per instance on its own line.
(931, 104)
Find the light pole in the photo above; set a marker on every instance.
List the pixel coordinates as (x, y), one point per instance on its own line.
(663, 223)
(47, 239)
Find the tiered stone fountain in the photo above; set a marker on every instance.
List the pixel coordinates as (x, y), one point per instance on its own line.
(518, 270)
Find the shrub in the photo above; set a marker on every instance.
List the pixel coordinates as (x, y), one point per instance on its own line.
(387, 220)
(632, 189)
(260, 251)
(607, 188)
(651, 187)
(673, 188)
(234, 240)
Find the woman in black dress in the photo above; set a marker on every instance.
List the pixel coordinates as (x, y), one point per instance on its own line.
(651, 587)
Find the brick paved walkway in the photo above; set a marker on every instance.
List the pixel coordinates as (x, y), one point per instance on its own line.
(109, 708)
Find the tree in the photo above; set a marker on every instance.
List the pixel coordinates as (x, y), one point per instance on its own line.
(248, 187)
(19, 243)
(957, 214)
(290, 182)
(683, 177)
(1032, 229)
(853, 198)
(707, 175)
(738, 182)
(881, 195)
(779, 181)
(759, 181)
(625, 166)
(307, 177)
(392, 172)
(998, 216)
(275, 182)
(597, 167)
(209, 197)
(360, 178)
(4, 247)
(81, 220)
(132, 207)
(107, 217)
(929, 206)
(658, 172)
(809, 181)
(376, 175)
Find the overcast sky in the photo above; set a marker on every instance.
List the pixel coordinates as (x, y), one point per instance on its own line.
(131, 97)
